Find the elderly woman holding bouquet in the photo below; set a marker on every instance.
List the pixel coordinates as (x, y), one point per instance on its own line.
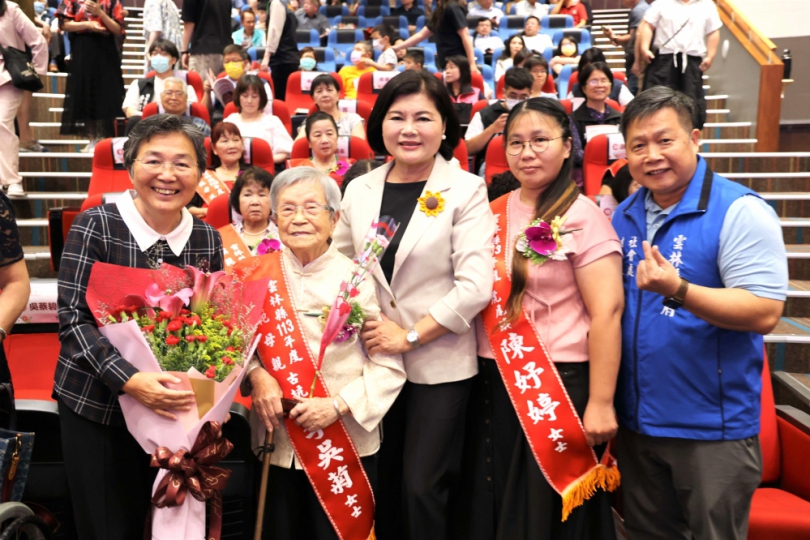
(108, 473)
(361, 387)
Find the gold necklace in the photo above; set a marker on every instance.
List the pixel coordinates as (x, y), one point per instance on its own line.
(253, 233)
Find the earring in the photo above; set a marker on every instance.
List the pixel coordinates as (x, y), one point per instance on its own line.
(444, 136)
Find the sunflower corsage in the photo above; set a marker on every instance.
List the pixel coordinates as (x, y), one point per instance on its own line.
(542, 241)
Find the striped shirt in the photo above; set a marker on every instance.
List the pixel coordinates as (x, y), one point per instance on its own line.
(90, 372)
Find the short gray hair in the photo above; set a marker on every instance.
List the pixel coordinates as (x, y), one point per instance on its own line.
(656, 99)
(177, 80)
(164, 124)
(296, 175)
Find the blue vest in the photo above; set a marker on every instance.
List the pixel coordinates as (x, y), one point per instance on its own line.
(681, 376)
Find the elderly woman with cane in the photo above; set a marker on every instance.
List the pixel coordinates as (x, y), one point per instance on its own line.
(326, 441)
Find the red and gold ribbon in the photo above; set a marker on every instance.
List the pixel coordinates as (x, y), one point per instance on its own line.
(548, 418)
(194, 472)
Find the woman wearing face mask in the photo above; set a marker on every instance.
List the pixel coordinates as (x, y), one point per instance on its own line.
(325, 93)
(435, 276)
(566, 54)
(564, 314)
(597, 81)
(227, 151)
(251, 99)
(308, 62)
(513, 45)
(235, 63)
(322, 135)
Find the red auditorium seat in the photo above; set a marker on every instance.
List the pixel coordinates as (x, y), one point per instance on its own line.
(597, 160)
(298, 98)
(615, 105)
(192, 79)
(108, 173)
(366, 90)
(569, 106)
(195, 109)
(460, 153)
(278, 108)
(781, 506)
(496, 158)
(257, 153)
(358, 148)
(549, 87)
(32, 360)
(219, 212)
(478, 106)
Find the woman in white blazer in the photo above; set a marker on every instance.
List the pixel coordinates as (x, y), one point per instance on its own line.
(435, 277)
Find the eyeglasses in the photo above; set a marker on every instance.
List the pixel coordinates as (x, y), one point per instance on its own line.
(175, 93)
(598, 82)
(311, 209)
(538, 145)
(156, 166)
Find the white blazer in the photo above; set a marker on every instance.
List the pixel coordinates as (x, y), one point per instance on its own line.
(443, 266)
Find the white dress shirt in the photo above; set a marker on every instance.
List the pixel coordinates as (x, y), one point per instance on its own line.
(697, 17)
(491, 13)
(487, 42)
(268, 127)
(525, 8)
(133, 97)
(144, 235)
(538, 43)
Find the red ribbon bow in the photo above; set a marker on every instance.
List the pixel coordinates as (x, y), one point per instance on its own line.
(193, 472)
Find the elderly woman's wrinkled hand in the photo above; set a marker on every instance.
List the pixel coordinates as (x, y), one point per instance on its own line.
(384, 337)
(314, 414)
(266, 395)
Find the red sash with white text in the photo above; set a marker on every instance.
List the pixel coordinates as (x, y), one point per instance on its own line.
(234, 248)
(211, 186)
(328, 457)
(548, 418)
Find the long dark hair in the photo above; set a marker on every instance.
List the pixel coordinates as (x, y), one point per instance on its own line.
(465, 75)
(2, 7)
(554, 201)
(507, 49)
(438, 14)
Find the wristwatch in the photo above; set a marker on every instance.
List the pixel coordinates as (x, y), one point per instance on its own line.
(413, 338)
(676, 301)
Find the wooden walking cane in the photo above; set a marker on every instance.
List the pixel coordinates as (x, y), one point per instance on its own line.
(268, 449)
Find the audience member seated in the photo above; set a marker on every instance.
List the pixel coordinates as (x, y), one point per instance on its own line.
(383, 36)
(512, 46)
(236, 62)
(531, 7)
(322, 135)
(620, 186)
(458, 81)
(325, 93)
(173, 101)
(565, 54)
(484, 40)
(410, 11)
(400, 52)
(249, 36)
(597, 81)
(261, 13)
(309, 18)
(519, 60)
(163, 55)
(227, 163)
(620, 91)
(364, 166)
(250, 200)
(308, 61)
(534, 40)
(485, 9)
(538, 67)
(414, 60)
(250, 99)
(361, 58)
(573, 8)
(491, 120)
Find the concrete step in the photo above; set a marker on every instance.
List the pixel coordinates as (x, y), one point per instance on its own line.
(726, 130)
(798, 289)
(798, 251)
(734, 145)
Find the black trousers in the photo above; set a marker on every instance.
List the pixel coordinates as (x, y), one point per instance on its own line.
(420, 460)
(280, 74)
(293, 511)
(109, 478)
(668, 70)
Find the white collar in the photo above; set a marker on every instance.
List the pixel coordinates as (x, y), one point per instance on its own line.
(145, 235)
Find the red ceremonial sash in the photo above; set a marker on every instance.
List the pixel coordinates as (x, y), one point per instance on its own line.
(210, 187)
(546, 414)
(234, 248)
(328, 457)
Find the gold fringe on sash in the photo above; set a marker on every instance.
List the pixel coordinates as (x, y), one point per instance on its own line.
(600, 477)
(372, 536)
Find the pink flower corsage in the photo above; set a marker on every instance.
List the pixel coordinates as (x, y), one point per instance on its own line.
(542, 241)
(268, 245)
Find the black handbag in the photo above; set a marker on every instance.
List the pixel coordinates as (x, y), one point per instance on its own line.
(20, 66)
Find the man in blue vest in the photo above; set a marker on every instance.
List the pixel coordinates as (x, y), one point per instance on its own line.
(705, 276)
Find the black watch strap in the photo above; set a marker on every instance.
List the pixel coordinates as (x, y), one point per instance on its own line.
(676, 301)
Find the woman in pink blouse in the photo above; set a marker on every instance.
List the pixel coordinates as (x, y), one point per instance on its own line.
(574, 301)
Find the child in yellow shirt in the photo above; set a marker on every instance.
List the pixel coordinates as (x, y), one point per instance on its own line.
(362, 56)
